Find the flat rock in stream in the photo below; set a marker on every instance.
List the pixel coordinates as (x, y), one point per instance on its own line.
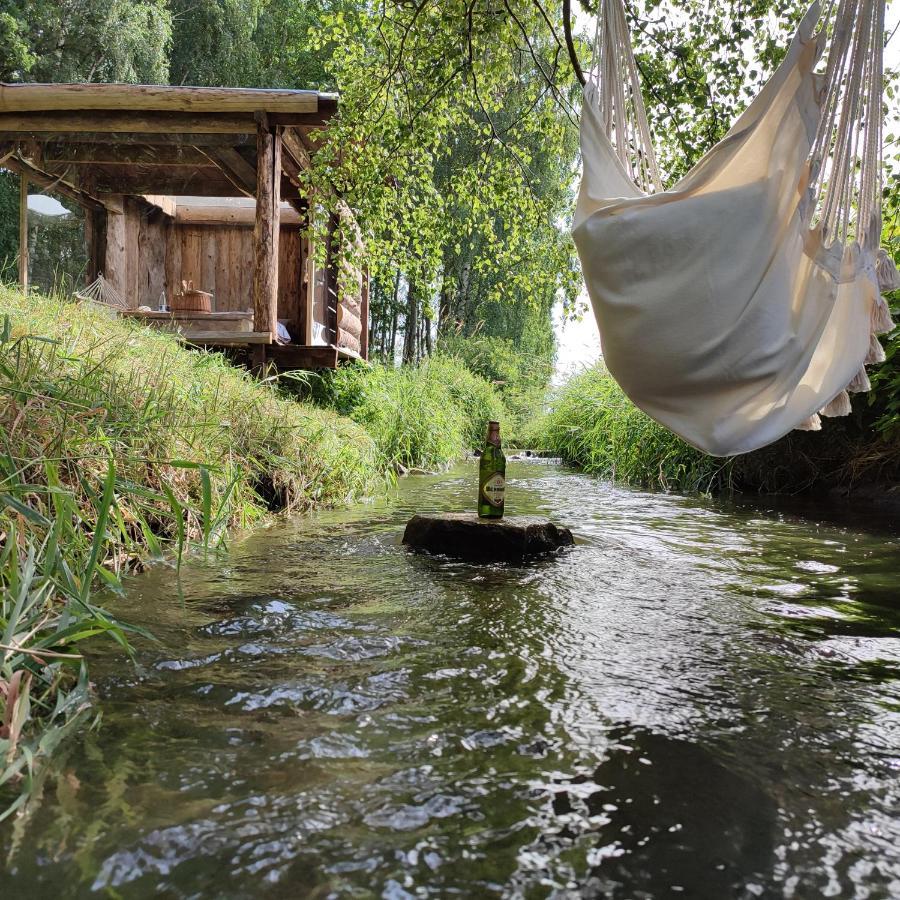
(464, 536)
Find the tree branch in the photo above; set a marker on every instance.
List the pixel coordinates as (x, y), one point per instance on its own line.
(570, 44)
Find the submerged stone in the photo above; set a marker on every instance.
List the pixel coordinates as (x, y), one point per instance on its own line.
(464, 536)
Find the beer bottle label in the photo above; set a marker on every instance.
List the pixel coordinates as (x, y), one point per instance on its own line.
(494, 489)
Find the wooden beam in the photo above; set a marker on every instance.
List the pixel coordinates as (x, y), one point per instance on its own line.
(23, 234)
(295, 120)
(109, 153)
(294, 187)
(291, 172)
(265, 232)
(37, 97)
(296, 148)
(181, 181)
(235, 168)
(182, 316)
(347, 353)
(195, 214)
(147, 122)
(291, 356)
(227, 338)
(164, 202)
(130, 138)
(53, 183)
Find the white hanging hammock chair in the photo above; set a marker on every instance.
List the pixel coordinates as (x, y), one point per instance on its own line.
(746, 300)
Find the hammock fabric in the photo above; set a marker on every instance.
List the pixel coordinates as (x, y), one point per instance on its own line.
(746, 300)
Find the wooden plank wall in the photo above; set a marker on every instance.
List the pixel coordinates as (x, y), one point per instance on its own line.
(151, 269)
(136, 257)
(290, 280)
(148, 254)
(220, 259)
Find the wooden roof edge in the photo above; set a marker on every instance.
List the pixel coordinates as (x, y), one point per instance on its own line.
(39, 97)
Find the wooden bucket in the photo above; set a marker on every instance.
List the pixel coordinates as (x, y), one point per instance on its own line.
(190, 300)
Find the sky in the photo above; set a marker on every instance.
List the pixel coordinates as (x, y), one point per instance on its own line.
(578, 342)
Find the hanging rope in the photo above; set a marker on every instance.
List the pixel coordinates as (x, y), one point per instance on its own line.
(846, 159)
(613, 84)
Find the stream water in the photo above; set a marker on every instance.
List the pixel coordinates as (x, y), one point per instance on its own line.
(702, 699)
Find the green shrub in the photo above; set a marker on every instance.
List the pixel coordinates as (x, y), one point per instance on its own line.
(593, 425)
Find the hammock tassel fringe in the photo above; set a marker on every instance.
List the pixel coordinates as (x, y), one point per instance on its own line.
(876, 352)
(881, 317)
(838, 407)
(886, 270)
(813, 423)
(860, 383)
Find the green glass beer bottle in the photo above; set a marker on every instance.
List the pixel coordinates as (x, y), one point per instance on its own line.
(491, 476)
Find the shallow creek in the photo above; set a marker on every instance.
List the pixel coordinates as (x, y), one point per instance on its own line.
(702, 699)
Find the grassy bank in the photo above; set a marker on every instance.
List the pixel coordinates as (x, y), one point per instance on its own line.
(117, 445)
(594, 426)
(418, 417)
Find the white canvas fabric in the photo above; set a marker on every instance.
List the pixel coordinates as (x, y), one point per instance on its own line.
(724, 313)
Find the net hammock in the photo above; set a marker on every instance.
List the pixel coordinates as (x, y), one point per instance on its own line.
(101, 292)
(745, 301)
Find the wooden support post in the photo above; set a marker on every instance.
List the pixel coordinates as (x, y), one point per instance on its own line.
(309, 294)
(364, 314)
(23, 233)
(115, 270)
(95, 240)
(332, 286)
(258, 360)
(265, 232)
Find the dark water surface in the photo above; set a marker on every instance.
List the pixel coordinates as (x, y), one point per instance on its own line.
(701, 700)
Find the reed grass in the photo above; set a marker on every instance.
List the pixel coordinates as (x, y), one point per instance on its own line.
(593, 425)
(118, 444)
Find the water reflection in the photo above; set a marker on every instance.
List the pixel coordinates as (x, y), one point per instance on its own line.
(701, 698)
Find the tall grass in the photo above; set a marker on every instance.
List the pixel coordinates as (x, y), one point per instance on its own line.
(593, 425)
(418, 417)
(116, 444)
(521, 377)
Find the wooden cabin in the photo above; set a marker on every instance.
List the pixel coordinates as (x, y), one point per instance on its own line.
(203, 187)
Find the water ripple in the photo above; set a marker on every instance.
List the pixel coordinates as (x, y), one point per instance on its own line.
(702, 699)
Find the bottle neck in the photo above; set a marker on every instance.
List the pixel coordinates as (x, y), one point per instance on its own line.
(493, 436)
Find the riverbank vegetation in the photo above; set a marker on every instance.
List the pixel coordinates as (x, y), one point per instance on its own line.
(594, 426)
(419, 417)
(118, 445)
